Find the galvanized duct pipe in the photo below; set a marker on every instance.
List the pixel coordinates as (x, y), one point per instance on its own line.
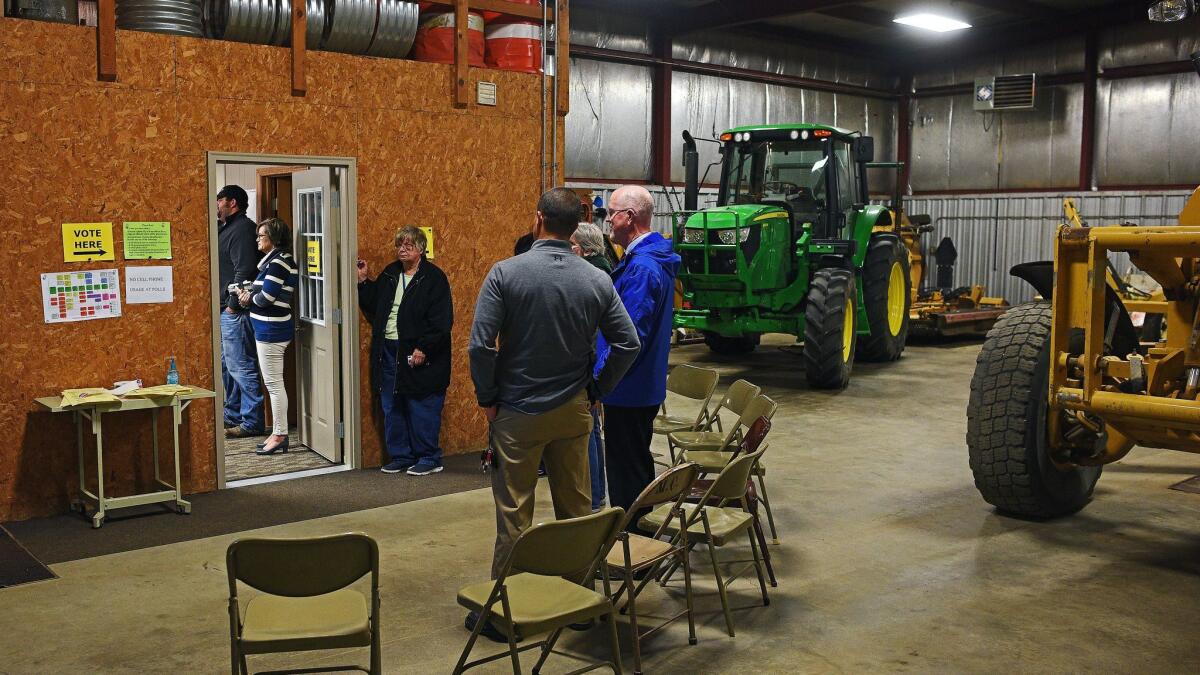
(261, 21)
(351, 26)
(396, 29)
(173, 17)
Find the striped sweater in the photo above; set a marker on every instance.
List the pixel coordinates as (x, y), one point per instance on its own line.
(271, 299)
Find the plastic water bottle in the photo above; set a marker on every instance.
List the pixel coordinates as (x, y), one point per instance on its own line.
(172, 373)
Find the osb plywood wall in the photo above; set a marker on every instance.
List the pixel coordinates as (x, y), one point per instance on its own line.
(77, 150)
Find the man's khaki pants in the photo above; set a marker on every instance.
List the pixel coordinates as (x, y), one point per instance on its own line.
(521, 442)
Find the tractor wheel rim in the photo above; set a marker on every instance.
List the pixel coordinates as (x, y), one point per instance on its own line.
(847, 330)
(895, 299)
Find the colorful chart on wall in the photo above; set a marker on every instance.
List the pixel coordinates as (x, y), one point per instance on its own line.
(80, 296)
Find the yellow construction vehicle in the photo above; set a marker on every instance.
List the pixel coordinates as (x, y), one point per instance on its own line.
(1064, 385)
(944, 309)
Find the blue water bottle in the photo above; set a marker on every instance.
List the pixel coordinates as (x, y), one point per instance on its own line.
(172, 373)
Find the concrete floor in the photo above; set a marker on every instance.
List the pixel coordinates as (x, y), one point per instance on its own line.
(889, 561)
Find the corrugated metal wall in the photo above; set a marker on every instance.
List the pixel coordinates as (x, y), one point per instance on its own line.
(991, 232)
(608, 127)
(1139, 122)
(994, 232)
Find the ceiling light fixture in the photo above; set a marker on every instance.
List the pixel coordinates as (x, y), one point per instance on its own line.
(933, 22)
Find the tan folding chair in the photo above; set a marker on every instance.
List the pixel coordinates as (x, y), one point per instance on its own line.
(533, 596)
(712, 441)
(717, 525)
(305, 602)
(712, 461)
(736, 398)
(690, 382)
(637, 554)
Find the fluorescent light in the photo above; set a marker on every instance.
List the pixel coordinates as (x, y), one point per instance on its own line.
(933, 22)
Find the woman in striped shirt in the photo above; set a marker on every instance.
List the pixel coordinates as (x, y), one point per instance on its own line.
(270, 303)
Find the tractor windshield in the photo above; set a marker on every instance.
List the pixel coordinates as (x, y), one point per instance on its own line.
(792, 171)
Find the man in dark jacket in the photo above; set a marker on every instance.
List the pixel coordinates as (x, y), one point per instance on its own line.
(645, 280)
(411, 313)
(237, 259)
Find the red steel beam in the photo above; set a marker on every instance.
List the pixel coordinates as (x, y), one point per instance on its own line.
(106, 40)
(1087, 139)
(660, 112)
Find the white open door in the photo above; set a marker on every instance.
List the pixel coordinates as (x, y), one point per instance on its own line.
(315, 209)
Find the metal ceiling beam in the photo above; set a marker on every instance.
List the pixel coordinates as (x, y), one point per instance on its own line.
(865, 15)
(1022, 8)
(726, 13)
(1015, 36)
(824, 41)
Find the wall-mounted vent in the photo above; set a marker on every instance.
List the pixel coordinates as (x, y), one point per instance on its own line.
(1005, 92)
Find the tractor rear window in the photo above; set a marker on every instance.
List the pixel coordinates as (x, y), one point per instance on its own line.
(776, 170)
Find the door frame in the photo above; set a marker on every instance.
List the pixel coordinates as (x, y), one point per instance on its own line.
(347, 254)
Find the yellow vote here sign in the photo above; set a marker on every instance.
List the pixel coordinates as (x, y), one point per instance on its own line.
(428, 241)
(314, 256)
(87, 241)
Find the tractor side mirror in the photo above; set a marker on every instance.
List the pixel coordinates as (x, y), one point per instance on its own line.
(863, 149)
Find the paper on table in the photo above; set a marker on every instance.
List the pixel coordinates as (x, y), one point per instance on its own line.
(160, 390)
(124, 387)
(86, 396)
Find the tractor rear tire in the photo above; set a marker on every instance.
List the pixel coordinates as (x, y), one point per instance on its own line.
(887, 296)
(731, 346)
(1006, 422)
(830, 322)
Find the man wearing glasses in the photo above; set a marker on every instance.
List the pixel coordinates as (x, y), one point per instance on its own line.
(645, 281)
(238, 258)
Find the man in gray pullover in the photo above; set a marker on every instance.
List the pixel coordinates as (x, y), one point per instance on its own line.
(531, 354)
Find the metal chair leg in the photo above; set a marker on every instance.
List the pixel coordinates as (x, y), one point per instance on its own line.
(633, 627)
(512, 630)
(687, 594)
(762, 582)
(712, 554)
(616, 641)
(762, 493)
(546, 649)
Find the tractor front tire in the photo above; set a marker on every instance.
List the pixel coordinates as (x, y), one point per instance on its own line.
(1006, 422)
(829, 329)
(731, 346)
(886, 294)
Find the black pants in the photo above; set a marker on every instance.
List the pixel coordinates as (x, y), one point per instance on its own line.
(628, 464)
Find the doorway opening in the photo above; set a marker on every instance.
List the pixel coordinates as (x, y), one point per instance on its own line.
(315, 197)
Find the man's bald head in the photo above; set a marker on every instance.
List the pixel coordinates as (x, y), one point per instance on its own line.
(630, 209)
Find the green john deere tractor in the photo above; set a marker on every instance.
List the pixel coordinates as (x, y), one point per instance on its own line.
(794, 246)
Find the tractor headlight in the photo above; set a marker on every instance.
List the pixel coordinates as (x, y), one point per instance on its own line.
(729, 236)
(693, 235)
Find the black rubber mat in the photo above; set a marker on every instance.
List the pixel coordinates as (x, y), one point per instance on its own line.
(18, 566)
(1190, 485)
(70, 537)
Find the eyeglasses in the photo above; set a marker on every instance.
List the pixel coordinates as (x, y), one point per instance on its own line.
(263, 236)
(613, 214)
(407, 246)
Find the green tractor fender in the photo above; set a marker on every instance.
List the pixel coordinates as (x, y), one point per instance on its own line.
(863, 226)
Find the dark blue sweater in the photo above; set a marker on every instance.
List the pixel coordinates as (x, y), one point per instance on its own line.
(271, 302)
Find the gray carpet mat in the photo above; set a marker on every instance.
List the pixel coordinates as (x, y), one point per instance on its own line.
(17, 565)
(70, 537)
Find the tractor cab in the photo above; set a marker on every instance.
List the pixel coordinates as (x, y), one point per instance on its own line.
(797, 169)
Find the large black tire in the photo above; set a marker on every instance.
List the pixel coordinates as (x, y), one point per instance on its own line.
(887, 296)
(828, 340)
(730, 346)
(1006, 422)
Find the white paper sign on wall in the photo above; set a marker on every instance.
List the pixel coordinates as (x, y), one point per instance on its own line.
(149, 284)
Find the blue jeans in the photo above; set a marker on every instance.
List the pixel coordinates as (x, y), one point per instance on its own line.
(410, 425)
(239, 372)
(596, 461)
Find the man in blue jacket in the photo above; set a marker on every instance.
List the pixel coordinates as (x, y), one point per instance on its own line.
(645, 281)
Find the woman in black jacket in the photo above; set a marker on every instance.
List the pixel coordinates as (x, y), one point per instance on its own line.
(411, 313)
